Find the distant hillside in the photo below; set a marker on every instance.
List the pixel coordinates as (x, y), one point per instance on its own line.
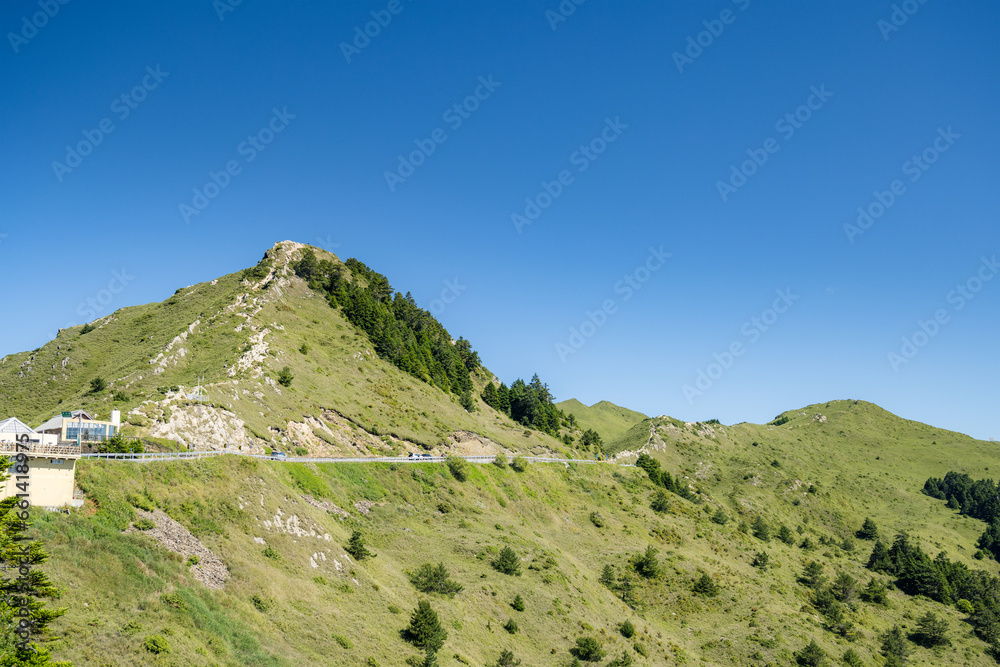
(236, 334)
(609, 420)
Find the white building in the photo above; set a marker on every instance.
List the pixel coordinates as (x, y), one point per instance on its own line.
(51, 465)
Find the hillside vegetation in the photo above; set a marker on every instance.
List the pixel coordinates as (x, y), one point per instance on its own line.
(281, 365)
(592, 552)
(609, 420)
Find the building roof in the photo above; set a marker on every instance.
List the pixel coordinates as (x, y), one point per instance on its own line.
(57, 421)
(14, 425)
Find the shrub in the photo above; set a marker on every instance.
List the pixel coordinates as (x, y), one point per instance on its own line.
(519, 464)
(597, 519)
(720, 517)
(760, 559)
(285, 377)
(144, 524)
(271, 553)
(500, 460)
(647, 564)
(304, 349)
(157, 644)
(852, 658)
(344, 642)
(624, 661)
(761, 530)
(627, 629)
(97, 385)
(518, 603)
(811, 654)
(87, 328)
(262, 604)
(356, 547)
(458, 467)
(506, 659)
(130, 629)
(660, 502)
(434, 579)
(965, 607)
(640, 649)
(173, 600)
(704, 585)
(510, 626)
(588, 649)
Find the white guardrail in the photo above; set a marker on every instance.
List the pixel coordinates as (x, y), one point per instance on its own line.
(173, 456)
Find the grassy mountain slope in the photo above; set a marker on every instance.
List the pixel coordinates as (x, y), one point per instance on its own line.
(609, 420)
(237, 333)
(860, 460)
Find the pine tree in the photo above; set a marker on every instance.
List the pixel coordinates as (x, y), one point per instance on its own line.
(932, 631)
(506, 659)
(425, 630)
(761, 530)
(811, 654)
(704, 585)
(507, 562)
(868, 530)
(785, 535)
(518, 603)
(812, 574)
(879, 561)
(356, 547)
(894, 646)
(660, 502)
(647, 564)
(607, 576)
(14, 554)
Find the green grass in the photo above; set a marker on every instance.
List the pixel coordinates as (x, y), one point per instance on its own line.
(544, 515)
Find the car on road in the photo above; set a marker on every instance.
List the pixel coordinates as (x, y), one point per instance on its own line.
(278, 456)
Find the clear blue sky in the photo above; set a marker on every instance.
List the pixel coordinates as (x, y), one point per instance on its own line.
(183, 90)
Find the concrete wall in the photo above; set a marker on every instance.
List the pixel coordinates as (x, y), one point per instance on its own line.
(49, 484)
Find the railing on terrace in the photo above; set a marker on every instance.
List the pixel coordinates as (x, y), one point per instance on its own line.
(36, 449)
